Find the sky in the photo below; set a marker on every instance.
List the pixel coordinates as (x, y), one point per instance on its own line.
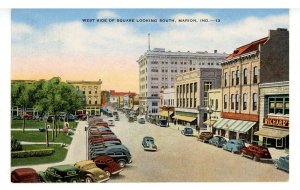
(56, 42)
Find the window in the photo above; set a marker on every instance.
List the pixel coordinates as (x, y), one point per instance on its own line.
(255, 75)
(90, 90)
(237, 97)
(195, 100)
(206, 87)
(225, 101)
(225, 79)
(183, 102)
(245, 76)
(244, 101)
(177, 103)
(183, 89)
(195, 87)
(154, 103)
(278, 104)
(237, 81)
(177, 91)
(95, 99)
(254, 101)
(217, 104)
(191, 102)
(90, 100)
(187, 102)
(191, 87)
(95, 89)
(232, 78)
(83, 90)
(180, 89)
(232, 101)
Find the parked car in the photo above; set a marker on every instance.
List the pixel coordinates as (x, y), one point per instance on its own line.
(256, 152)
(111, 122)
(24, 175)
(95, 132)
(115, 113)
(50, 118)
(217, 141)
(162, 122)
(100, 138)
(117, 118)
(141, 120)
(60, 173)
(16, 117)
(119, 153)
(99, 129)
(27, 116)
(107, 164)
(187, 131)
(148, 143)
(282, 163)
(205, 136)
(234, 145)
(90, 172)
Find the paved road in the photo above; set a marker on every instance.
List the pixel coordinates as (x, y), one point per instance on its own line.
(178, 159)
(184, 159)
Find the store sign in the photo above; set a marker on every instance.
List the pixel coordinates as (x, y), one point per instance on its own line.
(276, 122)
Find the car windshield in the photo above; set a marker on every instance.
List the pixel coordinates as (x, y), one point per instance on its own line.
(163, 122)
(189, 129)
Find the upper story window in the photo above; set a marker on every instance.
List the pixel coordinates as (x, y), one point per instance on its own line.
(232, 78)
(255, 74)
(254, 101)
(244, 101)
(83, 90)
(245, 76)
(278, 104)
(237, 77)
(95, 89)
(232, 101)
(195, 87)
(225, 101)
(237, 97)
(225, 79)
(90, 90)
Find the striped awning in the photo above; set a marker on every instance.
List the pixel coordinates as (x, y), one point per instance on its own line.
(210, 122)
(184, 118)
(234, 125)
(272, 133)
(165, 113)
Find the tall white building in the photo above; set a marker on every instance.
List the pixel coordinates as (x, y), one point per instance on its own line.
(157, 70)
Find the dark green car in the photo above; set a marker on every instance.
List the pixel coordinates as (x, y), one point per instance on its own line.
(60, 174)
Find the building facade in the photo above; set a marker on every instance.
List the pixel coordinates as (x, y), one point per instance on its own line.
(214, 108)
(192, 95)
(120, 100)
(158, 68)
(167, 103)
(249, 65)
(91, 94)
(274, 114)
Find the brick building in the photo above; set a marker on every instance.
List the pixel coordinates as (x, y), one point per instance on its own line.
(261, 61)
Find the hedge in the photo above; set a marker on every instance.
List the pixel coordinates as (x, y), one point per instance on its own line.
(32, 153)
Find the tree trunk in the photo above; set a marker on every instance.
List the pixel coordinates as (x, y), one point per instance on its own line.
(46, 133)
(55, 124)
(53, 130)
(23, 125)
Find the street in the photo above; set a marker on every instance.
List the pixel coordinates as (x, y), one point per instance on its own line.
(184, 159)
(178, 158)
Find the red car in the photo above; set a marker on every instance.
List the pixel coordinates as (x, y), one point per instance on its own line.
(107, 164)
(25, 175)
(27, 116)
(95, 133)
(93, 139)
(256, 152)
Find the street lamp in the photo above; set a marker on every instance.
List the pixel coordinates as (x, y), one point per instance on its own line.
(86, 135)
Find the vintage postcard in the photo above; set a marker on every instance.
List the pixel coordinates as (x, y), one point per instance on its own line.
(149, 95)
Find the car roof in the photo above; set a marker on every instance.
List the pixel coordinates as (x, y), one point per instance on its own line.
(148, 137)
(24, 171)
(64, 167)
(83, 163)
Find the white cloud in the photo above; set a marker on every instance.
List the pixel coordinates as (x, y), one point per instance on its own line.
(107, 14)
(18, 30)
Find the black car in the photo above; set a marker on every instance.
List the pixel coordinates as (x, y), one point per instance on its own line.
(162, 122)
(60, 173)
(187, 131)
(119, 153)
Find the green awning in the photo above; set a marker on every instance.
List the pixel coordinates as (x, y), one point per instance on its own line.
(239, 126)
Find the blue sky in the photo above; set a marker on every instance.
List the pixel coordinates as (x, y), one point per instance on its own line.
(48, 42)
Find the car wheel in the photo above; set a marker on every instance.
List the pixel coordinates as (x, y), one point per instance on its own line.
(255, 158)
(88, 180)
(122, 163)
(232, 151)
(107, 173)
(276, 165)
(73, 180)
(242, 154)
(58, 181)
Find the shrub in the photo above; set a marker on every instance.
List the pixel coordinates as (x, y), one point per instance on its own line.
(32, 153)
(15, 145)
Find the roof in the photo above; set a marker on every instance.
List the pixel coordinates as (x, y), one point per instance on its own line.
(114, 93)
(64, 167)
(253, 46)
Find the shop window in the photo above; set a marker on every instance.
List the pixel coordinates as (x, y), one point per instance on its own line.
(278, 105)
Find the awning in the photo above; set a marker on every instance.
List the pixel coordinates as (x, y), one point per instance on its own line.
(234, 125)
(165, 113)
(272, 133)
(184, 118)
(210, 122)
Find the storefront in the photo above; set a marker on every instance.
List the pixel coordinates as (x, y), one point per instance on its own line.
(185, 118)
(235, 129)
(274, 115)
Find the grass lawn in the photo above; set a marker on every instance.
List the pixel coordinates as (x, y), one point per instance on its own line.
(58, 156)
(35, 124)
(36, 136)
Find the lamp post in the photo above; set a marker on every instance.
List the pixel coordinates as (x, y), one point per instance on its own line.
(86, 135)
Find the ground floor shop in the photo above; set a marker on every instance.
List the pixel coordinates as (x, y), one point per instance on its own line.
(186, 118)
(236, 129)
